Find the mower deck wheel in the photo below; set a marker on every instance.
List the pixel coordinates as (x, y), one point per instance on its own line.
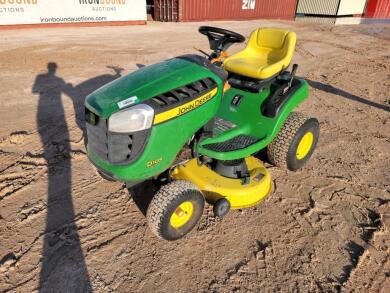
(295, 143)
(175, 209)
(221, 208)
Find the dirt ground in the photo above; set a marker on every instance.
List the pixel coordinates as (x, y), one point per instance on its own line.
(64, 229)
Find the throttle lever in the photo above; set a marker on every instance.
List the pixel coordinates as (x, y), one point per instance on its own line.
(293, 71)
(288, 87)
(201, 51)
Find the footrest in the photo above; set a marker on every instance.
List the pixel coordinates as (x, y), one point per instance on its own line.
(236, 143)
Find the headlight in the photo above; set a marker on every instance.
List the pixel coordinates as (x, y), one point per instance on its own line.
(133, 119)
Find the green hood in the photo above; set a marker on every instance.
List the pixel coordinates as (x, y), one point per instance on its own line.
(144, 84)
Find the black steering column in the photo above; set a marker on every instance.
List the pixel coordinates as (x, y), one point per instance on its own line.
(220, 39)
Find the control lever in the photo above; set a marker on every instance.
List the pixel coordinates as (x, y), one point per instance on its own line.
(201, 51)
(293, 71)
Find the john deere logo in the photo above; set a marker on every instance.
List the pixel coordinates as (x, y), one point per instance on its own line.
(195, 104)
(154, 162)
(178, 111)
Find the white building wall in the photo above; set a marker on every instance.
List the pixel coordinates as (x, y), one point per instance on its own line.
(70, 11)
(350, 7)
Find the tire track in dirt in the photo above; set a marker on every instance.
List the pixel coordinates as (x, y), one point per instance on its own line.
(21, 175)
(356, 250)
(303, 52)
(8, 156)
(367, 213)
(360, 51)
(257, 270)
(30, 211)
(333, 197)
(371, 259)
(20, 170)
(255, 263)
(10, 261)
(62, 236)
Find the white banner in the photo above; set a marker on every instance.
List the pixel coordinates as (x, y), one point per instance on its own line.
(65, 11)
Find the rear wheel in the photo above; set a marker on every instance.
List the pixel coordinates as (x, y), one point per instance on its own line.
(295, 143)
(175, 209)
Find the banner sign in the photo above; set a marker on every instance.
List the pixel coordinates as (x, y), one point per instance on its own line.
(70, 11)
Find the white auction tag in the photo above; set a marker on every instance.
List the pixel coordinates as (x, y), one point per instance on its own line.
(127, 102)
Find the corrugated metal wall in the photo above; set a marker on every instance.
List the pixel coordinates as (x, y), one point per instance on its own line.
(236, 9)
(331, 7)
(166, 10)
(318, 7)
(192, 10)
(378, 9)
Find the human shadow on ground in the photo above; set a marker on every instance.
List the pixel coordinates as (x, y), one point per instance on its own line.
(79, 92)
(63, 267)
(142, 194)
(332, 90)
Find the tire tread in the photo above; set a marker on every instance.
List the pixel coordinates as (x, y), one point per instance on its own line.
(161, 201)
(278, 149)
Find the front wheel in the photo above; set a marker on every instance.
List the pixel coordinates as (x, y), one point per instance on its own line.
(295, 143)
(175, 210)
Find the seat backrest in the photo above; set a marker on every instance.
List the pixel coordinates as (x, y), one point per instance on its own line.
(278, 41)
(270, 37)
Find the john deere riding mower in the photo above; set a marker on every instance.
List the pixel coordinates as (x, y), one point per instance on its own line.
(193, 123)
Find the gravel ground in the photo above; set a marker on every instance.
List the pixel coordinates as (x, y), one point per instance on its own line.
(64, 229)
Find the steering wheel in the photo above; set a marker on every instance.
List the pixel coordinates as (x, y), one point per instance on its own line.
(219, 38)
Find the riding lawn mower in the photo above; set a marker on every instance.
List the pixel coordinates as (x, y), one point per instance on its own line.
(194, 123)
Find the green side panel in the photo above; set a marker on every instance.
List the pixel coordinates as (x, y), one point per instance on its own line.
(146, 83)
(164, 144)
(249, 120)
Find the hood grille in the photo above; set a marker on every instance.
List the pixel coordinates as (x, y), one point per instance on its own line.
(181, 95)
(115, 148)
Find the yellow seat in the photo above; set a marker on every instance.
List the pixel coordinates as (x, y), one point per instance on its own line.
(268, 52)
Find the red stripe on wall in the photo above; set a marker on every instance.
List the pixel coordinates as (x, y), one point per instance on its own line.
(378, 9)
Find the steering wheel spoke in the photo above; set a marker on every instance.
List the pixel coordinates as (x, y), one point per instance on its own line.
(220, 39)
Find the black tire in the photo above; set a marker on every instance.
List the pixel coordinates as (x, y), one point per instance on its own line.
(165, 203)
(282, 151)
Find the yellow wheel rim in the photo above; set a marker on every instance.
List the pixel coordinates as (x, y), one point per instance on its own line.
(305, 145)
(182, 214)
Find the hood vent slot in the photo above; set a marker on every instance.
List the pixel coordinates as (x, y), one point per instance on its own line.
(159, 101)
(182, 95)
(172, 99)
